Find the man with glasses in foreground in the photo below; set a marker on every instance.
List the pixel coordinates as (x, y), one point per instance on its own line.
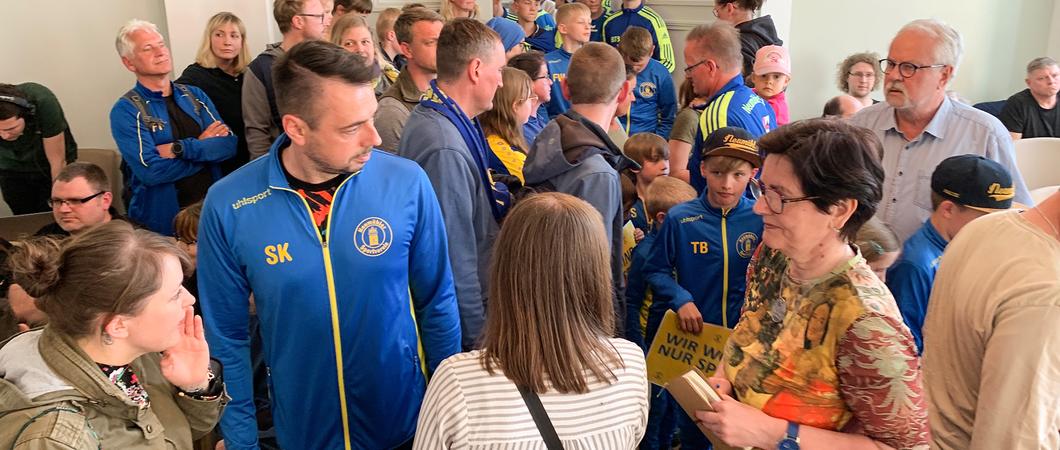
(713, 64)
(299, 20)
(919, 126)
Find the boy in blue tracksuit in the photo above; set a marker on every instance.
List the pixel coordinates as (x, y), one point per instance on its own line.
(963, 188)
(344, 250)
(655, 106)
(662, 194)
(708, 243)
(574, 28)
(635, 14)
(539, 26)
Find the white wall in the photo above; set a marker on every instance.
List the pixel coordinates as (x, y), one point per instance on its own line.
(999, 39)
(68, 46)
(187, 20)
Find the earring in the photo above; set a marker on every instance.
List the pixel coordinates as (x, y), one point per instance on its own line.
(107, 340)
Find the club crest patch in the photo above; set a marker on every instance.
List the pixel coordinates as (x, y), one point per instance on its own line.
(647, 89)
(746, 243)
(373, 236)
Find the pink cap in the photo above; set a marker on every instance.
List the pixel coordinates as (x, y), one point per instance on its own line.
(772, 59)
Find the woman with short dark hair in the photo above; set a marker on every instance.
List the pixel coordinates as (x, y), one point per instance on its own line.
(123, 362)
(820, 357)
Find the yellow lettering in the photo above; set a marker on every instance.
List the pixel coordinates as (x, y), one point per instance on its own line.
(270, 252)
(284, 254)
(699, 247)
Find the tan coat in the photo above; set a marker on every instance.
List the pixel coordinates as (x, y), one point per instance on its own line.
(52, 396)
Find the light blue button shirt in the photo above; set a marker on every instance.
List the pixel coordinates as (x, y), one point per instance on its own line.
(956, 129)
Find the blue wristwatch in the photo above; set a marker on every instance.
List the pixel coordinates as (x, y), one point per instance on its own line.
(791, 441)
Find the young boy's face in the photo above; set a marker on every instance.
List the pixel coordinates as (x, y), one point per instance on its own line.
(578, 27)
(724, 188)
(526, 10)
(638, 64)
(771, 84)
(649, 170)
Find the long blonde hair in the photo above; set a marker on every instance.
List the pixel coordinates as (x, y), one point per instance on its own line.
(550, 297)
(447, 11)
(500, 120)
(205, 56)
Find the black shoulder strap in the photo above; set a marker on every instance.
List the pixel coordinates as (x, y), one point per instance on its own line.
(151, 122)
(195, 102)
(544, 425)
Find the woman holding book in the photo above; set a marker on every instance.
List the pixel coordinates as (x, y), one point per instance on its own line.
(547, 341)
(820, 357)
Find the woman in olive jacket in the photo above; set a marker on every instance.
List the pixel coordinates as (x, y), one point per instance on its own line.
(122, 363)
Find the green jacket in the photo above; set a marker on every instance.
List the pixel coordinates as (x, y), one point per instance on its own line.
(52, 396)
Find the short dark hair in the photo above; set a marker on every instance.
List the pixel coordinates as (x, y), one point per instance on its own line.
(408, 18)
(461, 41)
(357, 6)
(832, 108)
(10, 109)
(833, 161)
(92, 173)
(530, 62)
(750, 5)
(636, 43)
(300, 70)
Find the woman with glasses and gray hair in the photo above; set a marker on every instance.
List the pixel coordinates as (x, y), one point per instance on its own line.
(820, 357)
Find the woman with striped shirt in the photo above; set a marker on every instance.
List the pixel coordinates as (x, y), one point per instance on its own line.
(549, 330)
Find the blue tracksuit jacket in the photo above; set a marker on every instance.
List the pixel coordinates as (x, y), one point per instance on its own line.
(638, 295)
(152, 184)
(735, 105)
(655, 106)
(351, 322)
(708, 249)
(910, 277)
(557, 61)
(644, 17)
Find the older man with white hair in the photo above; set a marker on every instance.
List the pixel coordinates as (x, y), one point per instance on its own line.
(169, 134)
(920, 126)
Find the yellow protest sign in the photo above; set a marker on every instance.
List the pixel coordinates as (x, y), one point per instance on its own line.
(673, 352)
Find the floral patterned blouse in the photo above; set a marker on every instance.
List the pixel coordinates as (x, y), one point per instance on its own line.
(831, 353)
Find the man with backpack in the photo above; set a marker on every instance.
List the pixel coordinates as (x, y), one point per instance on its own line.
(169, 135)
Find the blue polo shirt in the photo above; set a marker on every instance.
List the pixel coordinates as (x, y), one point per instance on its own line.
(911, 277)
(655, 106)
(558, 61)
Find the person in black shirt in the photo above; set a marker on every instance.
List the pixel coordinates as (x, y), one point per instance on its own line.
(218, 70)
(1033, 112)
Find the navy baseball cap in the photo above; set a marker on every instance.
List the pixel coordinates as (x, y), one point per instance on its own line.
(734, 142)
(974, 182)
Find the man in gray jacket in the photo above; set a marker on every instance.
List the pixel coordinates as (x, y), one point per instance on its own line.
(443, 136)
(299, 20)
(573, 153)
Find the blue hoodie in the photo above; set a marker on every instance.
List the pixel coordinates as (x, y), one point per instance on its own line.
(351, 321)
(708, 249)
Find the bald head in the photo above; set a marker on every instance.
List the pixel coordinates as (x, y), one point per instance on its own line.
(843, 106)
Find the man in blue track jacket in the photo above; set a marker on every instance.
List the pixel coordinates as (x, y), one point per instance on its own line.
(344, 250)
(169, 135)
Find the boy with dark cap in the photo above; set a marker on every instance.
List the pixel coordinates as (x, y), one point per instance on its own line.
(963, 188)
(707, 243)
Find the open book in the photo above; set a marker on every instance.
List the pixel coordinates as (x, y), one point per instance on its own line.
(694, 393)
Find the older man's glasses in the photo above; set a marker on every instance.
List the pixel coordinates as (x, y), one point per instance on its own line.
(72, 202)
(906, 69)
(773, 199)
(689, 69)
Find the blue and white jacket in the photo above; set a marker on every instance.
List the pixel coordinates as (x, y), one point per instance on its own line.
(352, 322)
(152, 182)
(708, 250)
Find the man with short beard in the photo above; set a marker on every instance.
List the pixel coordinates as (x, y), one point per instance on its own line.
(417, 31)
(920, 126)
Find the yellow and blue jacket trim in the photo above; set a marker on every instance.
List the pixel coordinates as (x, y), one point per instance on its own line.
(735, 105)
(644, 17)
(352, 320)
(708, 249)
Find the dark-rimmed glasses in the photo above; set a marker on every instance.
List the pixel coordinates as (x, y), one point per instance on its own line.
(689, 69)
(906, 69)
(72, 202)
(773, 199)
(321, 16)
